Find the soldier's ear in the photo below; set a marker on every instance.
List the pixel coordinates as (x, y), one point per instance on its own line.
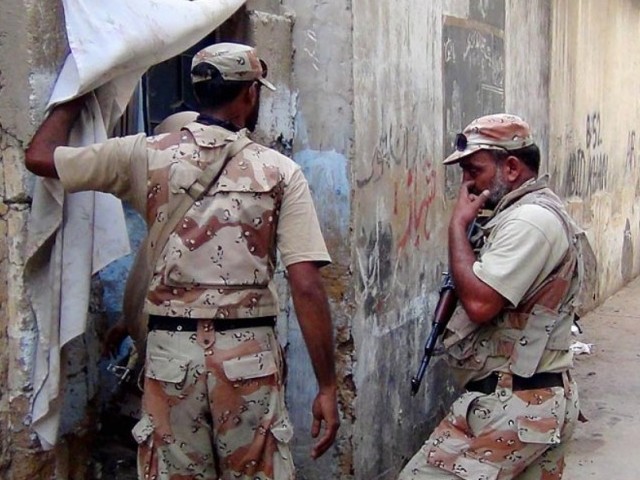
(253, 93)
(513, 168)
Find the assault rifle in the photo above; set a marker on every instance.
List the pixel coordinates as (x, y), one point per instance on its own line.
(443, 312)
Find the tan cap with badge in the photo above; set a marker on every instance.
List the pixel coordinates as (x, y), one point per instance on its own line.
(234, 61)
(501, 131)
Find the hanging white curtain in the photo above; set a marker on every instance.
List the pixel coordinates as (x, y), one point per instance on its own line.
(72, 236)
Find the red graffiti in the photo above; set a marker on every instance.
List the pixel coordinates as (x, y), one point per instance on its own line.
(422, 192)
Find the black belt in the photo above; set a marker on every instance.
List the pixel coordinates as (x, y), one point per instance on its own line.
(538, 380)
(184, 324)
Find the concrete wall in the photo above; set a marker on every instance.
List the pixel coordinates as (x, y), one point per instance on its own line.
(594, 128)
(322, 87)
(422, 71)
(373, 93)
(31, 45)
(398, 222)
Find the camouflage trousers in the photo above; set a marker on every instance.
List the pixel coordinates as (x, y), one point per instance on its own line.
(500, 436)
(213, 407)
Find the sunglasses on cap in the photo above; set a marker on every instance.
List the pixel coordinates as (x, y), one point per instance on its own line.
(264, 68)
(461, 142)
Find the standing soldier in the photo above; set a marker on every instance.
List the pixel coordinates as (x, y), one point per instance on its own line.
(509, 343)
(213, 402)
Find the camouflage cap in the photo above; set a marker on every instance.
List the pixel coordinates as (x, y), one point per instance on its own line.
(500, 131)
(234, 61)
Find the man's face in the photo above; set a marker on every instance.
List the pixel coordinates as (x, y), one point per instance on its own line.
(486, 174)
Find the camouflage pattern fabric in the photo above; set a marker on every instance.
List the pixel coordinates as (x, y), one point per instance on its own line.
(540, 323)
(219, 261)
(234, 61)
(504, 435)
(499, 131)
(509, 434)
(213, 407)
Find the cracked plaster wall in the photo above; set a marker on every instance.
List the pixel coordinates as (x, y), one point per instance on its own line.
(32, 47)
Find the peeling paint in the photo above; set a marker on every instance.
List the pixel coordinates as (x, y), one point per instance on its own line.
(326, 172)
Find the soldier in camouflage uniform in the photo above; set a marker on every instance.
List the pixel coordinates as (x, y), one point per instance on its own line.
(508, 341)
(213, 402)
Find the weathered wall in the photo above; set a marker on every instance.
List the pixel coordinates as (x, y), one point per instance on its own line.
(322, 87)
(372, 94)
(398, 220)
(595, 123)
(422, 71)
(31, 44)
(32, 48)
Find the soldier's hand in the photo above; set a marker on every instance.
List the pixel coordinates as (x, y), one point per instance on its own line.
(113, 338)
(468, 204)
(325, 410)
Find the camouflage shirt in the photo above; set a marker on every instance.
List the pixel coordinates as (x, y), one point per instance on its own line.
(533, 335)
(220, 260)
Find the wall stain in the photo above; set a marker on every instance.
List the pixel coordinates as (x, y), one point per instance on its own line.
(377, 272)
(626, 261)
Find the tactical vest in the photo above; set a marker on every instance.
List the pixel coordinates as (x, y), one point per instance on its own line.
(540, 322)
(220, 259)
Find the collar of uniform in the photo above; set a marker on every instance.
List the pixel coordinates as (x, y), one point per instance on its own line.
(527, 187)
(510, 198)
(210, 136)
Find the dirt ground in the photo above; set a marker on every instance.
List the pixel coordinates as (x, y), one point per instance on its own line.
(606, 447)
(115, 452)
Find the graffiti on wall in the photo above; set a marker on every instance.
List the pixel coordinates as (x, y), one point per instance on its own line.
(397, 146)
(473, 54)
(376, 268)
(587, 168)
(403, 180)
(401, 165)
(415, 195)
(401, 153)
(631, 159)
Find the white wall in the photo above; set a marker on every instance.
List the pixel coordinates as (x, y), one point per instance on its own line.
(594, 128)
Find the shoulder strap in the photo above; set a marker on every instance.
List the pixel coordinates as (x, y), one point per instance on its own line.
(160, 232)
(584, 298)
(210, 174)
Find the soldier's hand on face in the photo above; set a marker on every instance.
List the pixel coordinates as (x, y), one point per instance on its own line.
(325, 410)
(468, 204)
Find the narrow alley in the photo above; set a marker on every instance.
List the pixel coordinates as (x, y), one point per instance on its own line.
(607, 445)
(370, 98)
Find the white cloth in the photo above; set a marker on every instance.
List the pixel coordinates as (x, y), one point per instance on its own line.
(72, 236)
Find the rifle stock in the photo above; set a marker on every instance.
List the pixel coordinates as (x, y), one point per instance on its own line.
(444, 309)
(443, 312)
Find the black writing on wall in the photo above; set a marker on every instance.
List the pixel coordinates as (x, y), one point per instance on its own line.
(399, 146)
(588, 166)
(473, 55)
(631, 161)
